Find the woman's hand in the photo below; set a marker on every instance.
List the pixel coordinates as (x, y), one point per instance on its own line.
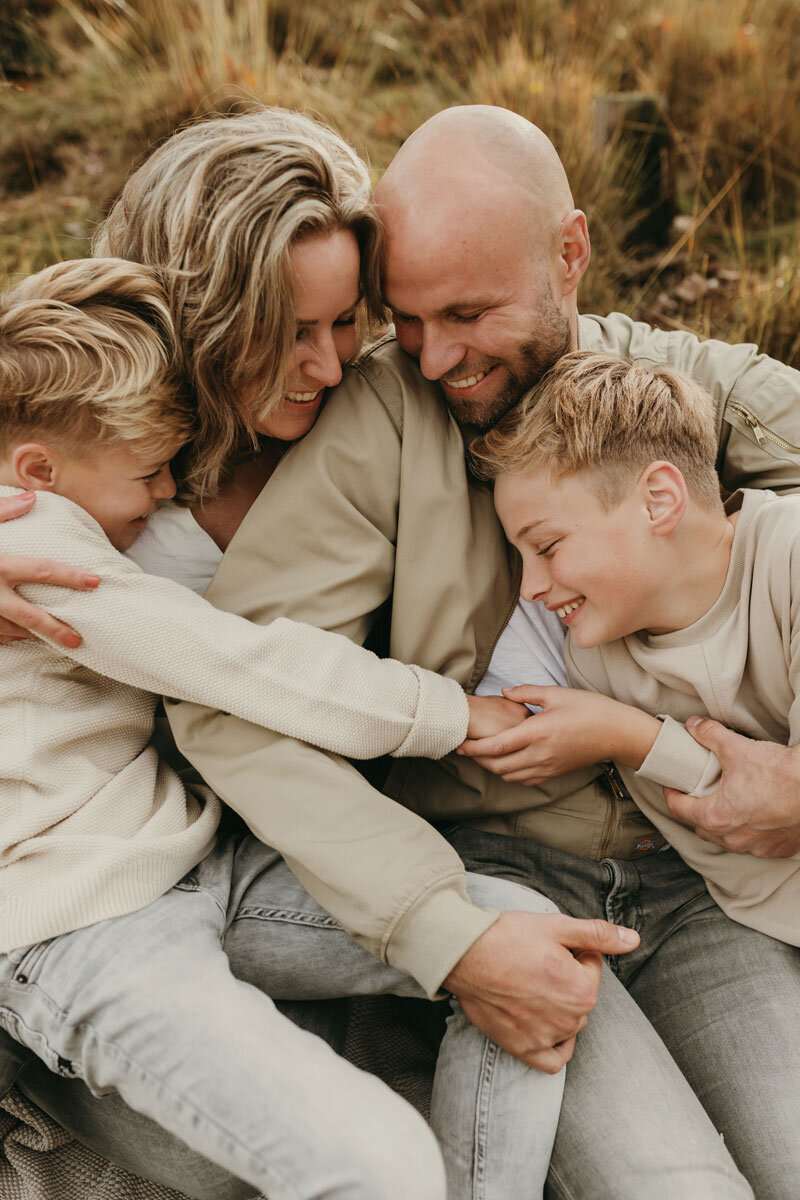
(575, 729)
(18, 618)
(492, 714)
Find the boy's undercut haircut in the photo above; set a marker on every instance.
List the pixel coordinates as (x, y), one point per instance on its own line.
(87, 356)
(601, 414)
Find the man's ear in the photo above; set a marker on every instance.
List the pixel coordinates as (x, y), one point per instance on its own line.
(575, 250)
(35, 466)
(663, 490)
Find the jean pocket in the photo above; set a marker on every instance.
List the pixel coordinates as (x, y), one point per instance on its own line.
(27, 960)
(189, 883)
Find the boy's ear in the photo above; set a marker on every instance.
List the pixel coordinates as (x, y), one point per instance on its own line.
(35, 466)
(665, 496)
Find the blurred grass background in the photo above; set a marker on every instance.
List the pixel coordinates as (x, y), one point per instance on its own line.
(88, 87)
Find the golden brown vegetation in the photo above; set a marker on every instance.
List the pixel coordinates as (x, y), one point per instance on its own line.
(91, 85)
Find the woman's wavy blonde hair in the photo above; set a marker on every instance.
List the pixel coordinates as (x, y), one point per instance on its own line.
(216, 209)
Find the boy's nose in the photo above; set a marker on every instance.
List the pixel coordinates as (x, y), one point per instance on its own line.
(164, 487)
(534, 585)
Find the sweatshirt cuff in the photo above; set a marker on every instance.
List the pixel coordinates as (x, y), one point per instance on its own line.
(436, 932)
(676, 760)
(441, 720)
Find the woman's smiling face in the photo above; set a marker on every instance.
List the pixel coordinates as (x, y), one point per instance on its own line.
(327, 293)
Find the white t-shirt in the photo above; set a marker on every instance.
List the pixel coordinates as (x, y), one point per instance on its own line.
(174, 546)
(530, 650)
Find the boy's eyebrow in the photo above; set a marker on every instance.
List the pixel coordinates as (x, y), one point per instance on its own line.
(531, 525)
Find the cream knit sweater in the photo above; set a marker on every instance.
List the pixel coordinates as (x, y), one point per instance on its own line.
(92, 823)
(740, 663)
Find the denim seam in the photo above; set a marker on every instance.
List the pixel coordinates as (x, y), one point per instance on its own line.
(129, 1065)
(554, 1179)
(289, 915)
(482, 1118)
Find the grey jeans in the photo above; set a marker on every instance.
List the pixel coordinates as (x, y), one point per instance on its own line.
(631, 1126)
(150, 1008)
(695, 1031)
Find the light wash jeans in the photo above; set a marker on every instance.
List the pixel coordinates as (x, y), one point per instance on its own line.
(146, 1006)
(694, 1032)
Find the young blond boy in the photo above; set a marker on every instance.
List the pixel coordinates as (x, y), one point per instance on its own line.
(674, 604)
(115, 893)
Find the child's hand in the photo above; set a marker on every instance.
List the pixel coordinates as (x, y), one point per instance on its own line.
(492, 714)
(575, 729)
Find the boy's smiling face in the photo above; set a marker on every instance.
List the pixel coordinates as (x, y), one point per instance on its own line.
(597, 569)
(116, 485)
(119, 488)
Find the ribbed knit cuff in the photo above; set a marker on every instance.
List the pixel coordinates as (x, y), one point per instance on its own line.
(676, 760)
(441, 720)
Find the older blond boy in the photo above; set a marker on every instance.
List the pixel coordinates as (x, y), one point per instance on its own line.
(674, 604)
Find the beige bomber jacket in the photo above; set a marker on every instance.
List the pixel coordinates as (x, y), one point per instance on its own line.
(370, 522)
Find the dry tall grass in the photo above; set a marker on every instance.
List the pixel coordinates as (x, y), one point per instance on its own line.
(119, 75)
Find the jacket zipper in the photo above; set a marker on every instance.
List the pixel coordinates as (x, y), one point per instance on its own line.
(616, 798)
(760, 433)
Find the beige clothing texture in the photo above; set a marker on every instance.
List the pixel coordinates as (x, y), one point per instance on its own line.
(93, 824)
(740, 664)
(370, 527)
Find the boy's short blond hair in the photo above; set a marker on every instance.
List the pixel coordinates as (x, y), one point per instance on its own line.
(600, 414)
(87, 358)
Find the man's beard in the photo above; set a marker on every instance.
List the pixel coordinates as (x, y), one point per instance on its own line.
(536, 357)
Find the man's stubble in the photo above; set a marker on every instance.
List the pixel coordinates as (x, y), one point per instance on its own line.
(534, 359)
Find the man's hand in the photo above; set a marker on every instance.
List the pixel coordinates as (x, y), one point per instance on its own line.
(530, 980)
(492, 714)
(18, 618)
(575, 729)
(756, 808)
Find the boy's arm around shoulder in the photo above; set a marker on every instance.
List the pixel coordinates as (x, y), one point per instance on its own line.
(318, 545)
(757, 397)
(153, 634)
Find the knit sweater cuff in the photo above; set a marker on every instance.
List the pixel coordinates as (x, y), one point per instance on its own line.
(436, 932)
(676, 760)
(441, 720)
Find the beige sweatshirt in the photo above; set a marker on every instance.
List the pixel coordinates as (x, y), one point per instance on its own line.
(92, 823)
(740, 663)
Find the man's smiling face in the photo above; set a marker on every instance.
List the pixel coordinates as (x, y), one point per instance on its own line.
(478, 313)
(484, 252)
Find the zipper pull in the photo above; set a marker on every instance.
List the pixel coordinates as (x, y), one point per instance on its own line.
(756, 428)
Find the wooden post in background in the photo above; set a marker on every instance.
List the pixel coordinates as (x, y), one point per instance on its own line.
(634, 123)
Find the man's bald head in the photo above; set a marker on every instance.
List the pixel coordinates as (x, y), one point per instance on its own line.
(477, 147)
(481, 231)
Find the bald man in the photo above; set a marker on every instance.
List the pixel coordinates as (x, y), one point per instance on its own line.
(695, 1030)
(372, 514)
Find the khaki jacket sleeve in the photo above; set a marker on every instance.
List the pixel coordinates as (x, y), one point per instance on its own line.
(318, 545)
(758, 398)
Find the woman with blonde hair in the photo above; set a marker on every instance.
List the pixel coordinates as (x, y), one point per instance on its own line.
(262, 228)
